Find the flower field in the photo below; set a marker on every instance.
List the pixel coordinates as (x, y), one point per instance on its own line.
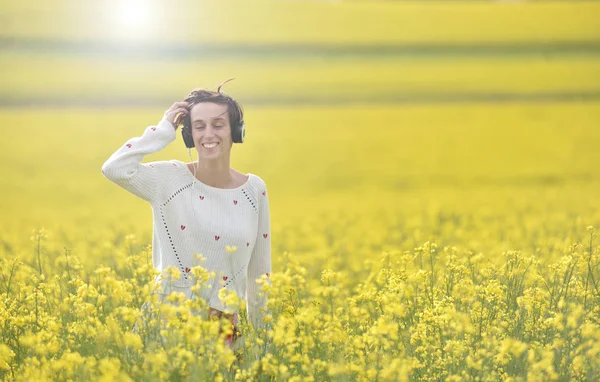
(409, 243)
(434, 187)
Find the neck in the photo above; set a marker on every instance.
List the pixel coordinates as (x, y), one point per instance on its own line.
(214, 172)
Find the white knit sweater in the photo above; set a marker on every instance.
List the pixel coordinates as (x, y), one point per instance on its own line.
(191, 217)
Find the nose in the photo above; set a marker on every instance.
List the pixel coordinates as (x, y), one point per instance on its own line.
(209, 131)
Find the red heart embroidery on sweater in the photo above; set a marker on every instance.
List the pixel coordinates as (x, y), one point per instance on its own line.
(187, 270)
(182, 227)
(263, 192)
(201, 197)
(217, 237)
(154, 129)
(128, 145)
(235, 202)
(265, 235)
(225, 278)
(247, 244)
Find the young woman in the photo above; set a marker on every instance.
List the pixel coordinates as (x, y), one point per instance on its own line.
(202, 207)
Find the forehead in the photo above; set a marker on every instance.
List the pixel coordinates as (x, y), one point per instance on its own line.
(206, 111)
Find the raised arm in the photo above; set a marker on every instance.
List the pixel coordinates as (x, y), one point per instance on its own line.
(124, 166)
(260, 263)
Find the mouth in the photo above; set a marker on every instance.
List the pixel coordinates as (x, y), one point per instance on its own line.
(210, 146)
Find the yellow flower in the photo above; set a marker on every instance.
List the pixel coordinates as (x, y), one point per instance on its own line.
(230, 299)
(132, 340)
(6, 354)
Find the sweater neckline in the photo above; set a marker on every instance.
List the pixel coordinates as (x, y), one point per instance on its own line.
(187, 170)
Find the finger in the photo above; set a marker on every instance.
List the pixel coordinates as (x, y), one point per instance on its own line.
(180, 104)
(177, 111)
(178, 119)
(180, 115)
(177, 105)
(182, 108)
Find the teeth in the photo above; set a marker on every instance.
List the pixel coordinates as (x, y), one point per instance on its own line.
(209, 145)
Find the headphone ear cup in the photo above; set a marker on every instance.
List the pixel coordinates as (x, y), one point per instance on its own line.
(186, 132)
(238, 133)
(242, 131)
(241, 126)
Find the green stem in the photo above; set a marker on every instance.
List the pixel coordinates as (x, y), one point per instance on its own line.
(39, 250)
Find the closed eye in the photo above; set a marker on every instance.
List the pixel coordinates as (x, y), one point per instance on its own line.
(202, 127)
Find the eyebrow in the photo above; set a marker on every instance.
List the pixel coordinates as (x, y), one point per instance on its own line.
(201, 120)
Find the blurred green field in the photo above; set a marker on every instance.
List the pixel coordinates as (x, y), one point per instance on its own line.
(512, 162)
(296, 22)
(404, 133)
(293, 52)
(55, 78)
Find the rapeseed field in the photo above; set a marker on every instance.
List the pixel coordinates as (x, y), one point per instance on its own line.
(433, 176)
(409, 243)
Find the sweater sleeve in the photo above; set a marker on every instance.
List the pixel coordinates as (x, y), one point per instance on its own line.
(124, 166)
(260, 263)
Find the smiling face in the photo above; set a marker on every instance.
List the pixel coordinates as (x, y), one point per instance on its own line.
(210, 124)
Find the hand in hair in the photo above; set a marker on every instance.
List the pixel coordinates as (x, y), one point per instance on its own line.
(176, 112)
